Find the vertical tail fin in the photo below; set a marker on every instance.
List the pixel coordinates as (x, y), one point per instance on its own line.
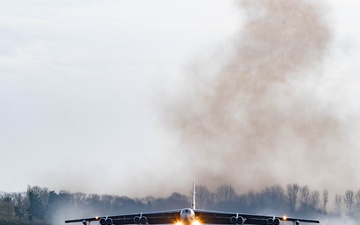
(193, 196)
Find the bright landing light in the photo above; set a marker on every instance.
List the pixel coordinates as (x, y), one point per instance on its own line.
(193, 223)
(284, 217)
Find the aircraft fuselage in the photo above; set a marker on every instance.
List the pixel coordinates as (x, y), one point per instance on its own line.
(187, 216)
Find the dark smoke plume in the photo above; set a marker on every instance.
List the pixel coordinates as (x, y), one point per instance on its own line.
(259, 121)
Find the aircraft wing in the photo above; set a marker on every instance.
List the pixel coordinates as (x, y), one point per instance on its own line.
(202, 216)
(160, 217)
(217, 217)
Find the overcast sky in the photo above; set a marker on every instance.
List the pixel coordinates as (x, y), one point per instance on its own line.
(83, 86)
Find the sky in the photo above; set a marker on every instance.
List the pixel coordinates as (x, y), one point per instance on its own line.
(94, 95)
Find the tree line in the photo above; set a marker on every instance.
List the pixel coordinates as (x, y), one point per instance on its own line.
(39, 206)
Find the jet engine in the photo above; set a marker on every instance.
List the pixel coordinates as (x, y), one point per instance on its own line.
(140, 220)
(273, 221)
(143, 220)
(137, 219)
(297, 222)
(106, 221)
(237, 220)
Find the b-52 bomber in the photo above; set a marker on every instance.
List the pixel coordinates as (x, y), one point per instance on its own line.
(190, 216)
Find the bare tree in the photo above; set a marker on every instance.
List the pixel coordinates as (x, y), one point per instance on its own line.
(304, 195)
(107, 202)
(203, 196)
(292, 194)
(349, 200)
(251, 198)
(325, 199)
(20, 205)
(93, 200)
(338, 203)
(357, 200)
(272, 196)
(226, 193)
(177, 200)
(78, 198)
(6, 206)
(315, 199)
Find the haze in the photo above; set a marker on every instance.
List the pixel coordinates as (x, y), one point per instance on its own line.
(95, 95)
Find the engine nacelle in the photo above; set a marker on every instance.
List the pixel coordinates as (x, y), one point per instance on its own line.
(106, 221)
(297, 222)
(109, 221)
(237, 220)
(143, 220)
(140, 220)
(273, 221)
(277, 221)
(240, 220)
(137, 219)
